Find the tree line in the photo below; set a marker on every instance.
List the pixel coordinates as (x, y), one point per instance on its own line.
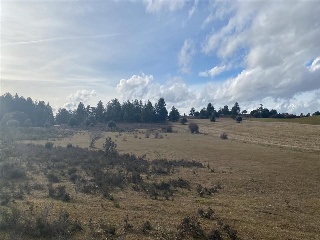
(27, 112)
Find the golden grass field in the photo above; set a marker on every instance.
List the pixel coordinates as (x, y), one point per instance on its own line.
(270, 173)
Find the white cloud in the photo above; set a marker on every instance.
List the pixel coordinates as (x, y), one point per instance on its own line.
(272, 44)
(315, 65)
(84, 96)
(213, 71)
(159, 5)
(143, 87)
(185, 56)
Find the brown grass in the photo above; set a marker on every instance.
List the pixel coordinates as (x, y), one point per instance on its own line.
(269, 172)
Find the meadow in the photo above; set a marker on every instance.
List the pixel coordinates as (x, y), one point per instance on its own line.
(159, 181)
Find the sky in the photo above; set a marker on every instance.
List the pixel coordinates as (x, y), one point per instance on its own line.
(188, 52)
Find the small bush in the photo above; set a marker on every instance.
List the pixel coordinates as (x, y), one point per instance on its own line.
(238, 119)
(194, 128)
(111, 124)
(212, 118)
(167, 129)
(48, 145)
(183, 120)
(69, 145)
(52, 177)
(224, 136)
(146, 227)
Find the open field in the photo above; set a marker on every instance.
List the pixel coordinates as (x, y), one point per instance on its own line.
(314, 120)
(265, 180)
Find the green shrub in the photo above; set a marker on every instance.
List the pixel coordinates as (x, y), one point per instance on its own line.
(224, 136)
(48, 145)
(111, 125)
(238, 119)
(212, 118)
(52, 177)
(183, 120)
(194, 128)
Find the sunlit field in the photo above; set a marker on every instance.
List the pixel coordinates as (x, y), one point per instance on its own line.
(155, 181)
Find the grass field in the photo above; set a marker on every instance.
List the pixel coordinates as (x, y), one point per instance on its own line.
(265, 180)
(314, 120)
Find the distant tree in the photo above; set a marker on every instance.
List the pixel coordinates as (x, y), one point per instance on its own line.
(213, 117)
(235, 110)
(244, 112)
(174, 114)
(114, 111)
(63, 116)
(100, 112)
(225, 110)
(203, 113)
(317, 113)
(192, 111)
(161, 110)
(197, 114)
(81, 113)
(72, 122)
(90, 120)
(210, 110)
(148, 113)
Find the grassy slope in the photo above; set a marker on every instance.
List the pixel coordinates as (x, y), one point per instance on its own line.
(315, 120)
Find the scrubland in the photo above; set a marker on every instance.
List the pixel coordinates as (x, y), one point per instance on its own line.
(144, 181)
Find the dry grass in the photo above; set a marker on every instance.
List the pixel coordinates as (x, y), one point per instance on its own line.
(269, 172)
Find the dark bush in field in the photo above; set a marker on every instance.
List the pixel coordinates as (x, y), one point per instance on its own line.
(224, 136)
(12, 171)
(183, 120)
(111, 125)
(238, 119)
(194, 128)
(48, 145)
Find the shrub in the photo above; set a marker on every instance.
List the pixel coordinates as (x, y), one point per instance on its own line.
(48, 145)
(11, 171)
(194, 128)
(213, 118)
(146, 227)
(110, 148)
(111, 124)
(69, 145)
(238, 119)
(52, 177)
(47, 125)
(13, 123)
(167, 129)
(223, 136)
(183, 120)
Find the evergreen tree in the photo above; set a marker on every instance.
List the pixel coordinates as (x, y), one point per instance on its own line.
(100, 112)
(161, 110)
(63, 116)
(148, 113)
(81, 113)
(174, 114)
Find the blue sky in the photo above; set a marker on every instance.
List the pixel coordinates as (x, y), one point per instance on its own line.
(189, 52)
